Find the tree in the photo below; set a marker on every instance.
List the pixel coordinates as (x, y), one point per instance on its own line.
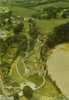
(28, 92)
(65, 14)
(19, 26)
(23, 45)
(16, 97)
(52, 12)
(33, 30)
(59, 35)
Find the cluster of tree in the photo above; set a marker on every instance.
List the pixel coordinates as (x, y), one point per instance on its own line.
(13, 45)
(5, 17)
(65, 13)
(59, 35)
(33, 33)
(10, 21)
(28, 92)
(52, 12)
(18, 44)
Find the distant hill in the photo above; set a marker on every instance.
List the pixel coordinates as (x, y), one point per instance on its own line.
(37, 3)
(33, 3)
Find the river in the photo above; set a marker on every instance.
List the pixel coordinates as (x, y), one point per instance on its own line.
(58, 67)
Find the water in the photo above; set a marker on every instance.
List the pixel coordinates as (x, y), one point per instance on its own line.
(58, 67)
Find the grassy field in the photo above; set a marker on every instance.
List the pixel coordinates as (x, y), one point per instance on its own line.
(48, 25)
